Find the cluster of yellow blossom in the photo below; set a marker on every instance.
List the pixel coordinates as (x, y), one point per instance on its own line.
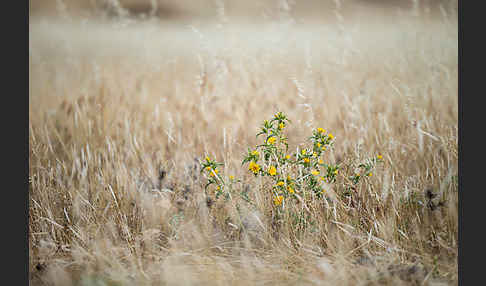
(254, 167)
(278, 200)
(272, 171)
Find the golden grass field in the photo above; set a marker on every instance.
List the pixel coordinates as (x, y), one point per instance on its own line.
(121, 109)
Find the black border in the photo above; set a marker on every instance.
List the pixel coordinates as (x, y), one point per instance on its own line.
(16, 138)
(20, 25)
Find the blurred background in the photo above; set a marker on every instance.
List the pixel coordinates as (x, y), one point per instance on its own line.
(245, 10)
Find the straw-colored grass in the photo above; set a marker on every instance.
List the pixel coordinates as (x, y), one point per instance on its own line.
(119, 111)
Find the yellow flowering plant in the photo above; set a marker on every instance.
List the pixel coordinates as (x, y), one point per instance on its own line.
(364, 169)
(302, 175)
(274, 156)
(222, 187)
(308, 163)
(210, 168)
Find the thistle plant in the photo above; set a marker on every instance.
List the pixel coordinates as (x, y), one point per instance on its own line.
(210, 167)
(302, 175)
(365, 169)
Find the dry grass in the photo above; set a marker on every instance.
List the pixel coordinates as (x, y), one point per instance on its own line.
(119, 111)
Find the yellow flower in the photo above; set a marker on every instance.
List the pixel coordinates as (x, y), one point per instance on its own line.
(303, 152)
(331, 136)
(254, 167)
(315, 172)
(370, 174)
(323, 148)
(281, 125)
(207, 159)
(379, 157)
(306, 160)
(278, 200)
(218, 188)
(208, 168)
(323, 179)
(271, 140)
(320, 130)
(320, 161)
(289, 188)
(335, 172)
(289, 178)
(280, 183)
(255, 153)
(212, 174)
(319, 145)
(231, 177)
(272, 171)
(287, 157)
(323, 191)
(314, 154)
